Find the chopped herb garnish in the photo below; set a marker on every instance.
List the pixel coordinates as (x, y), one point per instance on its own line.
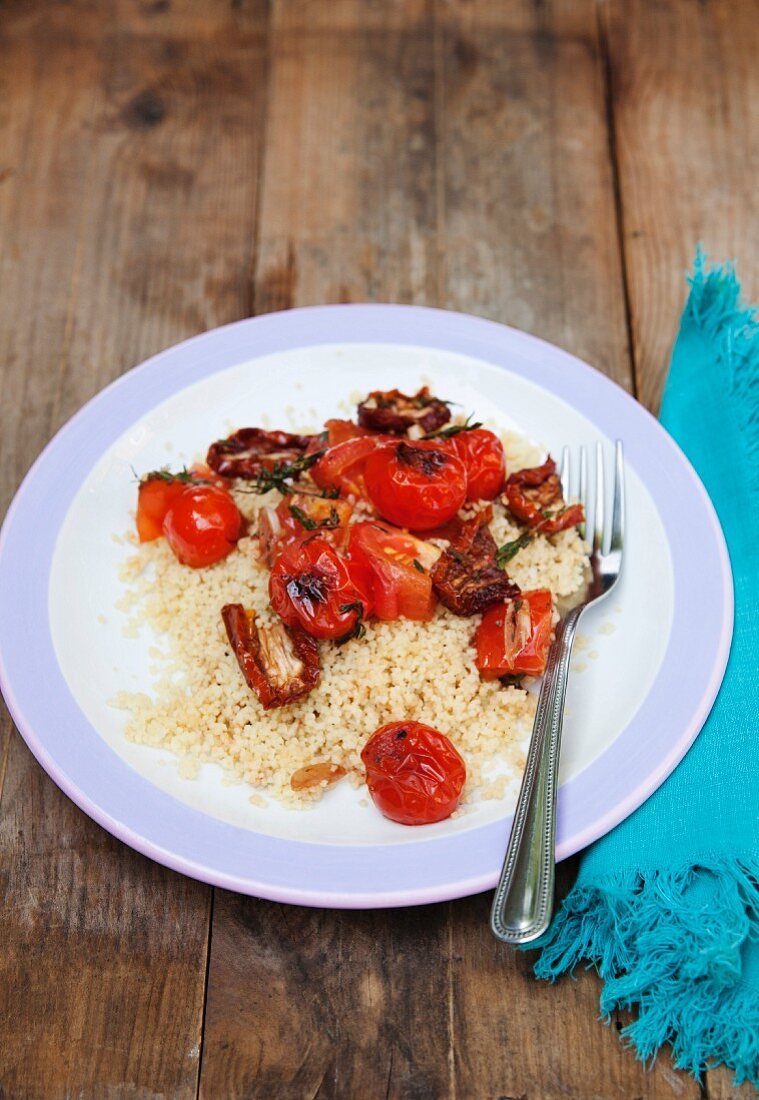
(455, 429)
(165, 474)
(358, 629)
(509, 550)
(332, 520)
(282, 473)
(419, 567)
(300, 515)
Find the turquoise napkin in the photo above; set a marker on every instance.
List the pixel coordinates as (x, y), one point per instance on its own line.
(670, 917)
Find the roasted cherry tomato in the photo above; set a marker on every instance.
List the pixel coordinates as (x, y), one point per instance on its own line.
(311, 586)
(414, 774)
(158, 491)
(399, 568)
(514, 637)
(534, 496)
(342, 468)
(482, 453)
(415, 485)
(202, 525)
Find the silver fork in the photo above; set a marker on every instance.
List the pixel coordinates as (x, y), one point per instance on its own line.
(523, 902)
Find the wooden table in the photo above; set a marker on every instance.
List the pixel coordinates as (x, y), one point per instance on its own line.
(171, 165)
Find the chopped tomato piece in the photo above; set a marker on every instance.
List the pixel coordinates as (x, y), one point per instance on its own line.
(341, 469)
(416, 485)
(338, 431)
(396, 412)
(534, 496)
(483, 456)
(281, 665)
(399, 570)
(466, 577)
(248, 451)
(514, 637)
(297, 515)
(414, 774)
(202, 525)
(311, 586)
(155, 496)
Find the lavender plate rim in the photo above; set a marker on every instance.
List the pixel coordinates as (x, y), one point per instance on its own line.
(307, 873)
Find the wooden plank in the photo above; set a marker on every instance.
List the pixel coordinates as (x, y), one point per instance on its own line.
(530, 237)
(378, 184)
(128, 178)
(348, 197)
(529, 233)
(684, 91)
(303, 1002)
(684, 88)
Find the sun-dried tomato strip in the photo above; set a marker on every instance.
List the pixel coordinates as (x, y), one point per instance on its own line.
(248, 451)
(316, 775)
(535, 498)
(280, 664)
(396, 412)
(465, 576)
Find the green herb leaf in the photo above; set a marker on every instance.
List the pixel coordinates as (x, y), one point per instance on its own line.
(282, 473)
(358, 629)
(455, 429)
(419, 567)
(509, 550)
(300, 515)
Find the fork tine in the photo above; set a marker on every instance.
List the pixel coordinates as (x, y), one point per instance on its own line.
(618, 508)
(564, 471)
(598, 524)
(583, 490)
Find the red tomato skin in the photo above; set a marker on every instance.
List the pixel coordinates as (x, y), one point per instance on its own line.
(342, 467)
(411, 492)
(483, 456)
(203, 525)
(414, 774)
(154, 498)
(399, 588)
(492, 659)
(309, 583)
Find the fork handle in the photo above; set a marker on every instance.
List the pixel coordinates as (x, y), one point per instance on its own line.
(523, 902)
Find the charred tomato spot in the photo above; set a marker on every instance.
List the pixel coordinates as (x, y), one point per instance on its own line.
(307, 586)
(427, 461)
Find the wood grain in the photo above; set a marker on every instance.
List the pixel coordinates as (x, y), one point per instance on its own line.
(167, 166)
(379, 184)
(128, 169)
(528, 231)
(684, 92)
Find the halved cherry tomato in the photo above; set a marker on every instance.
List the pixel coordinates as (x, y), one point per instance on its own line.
(414, 774)
(399, 568)
(483, 456)
(311, 586)
(298, 515)
(202, 525)
(415, 485)
(342, 467)
(514, 637)
(158, 491)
